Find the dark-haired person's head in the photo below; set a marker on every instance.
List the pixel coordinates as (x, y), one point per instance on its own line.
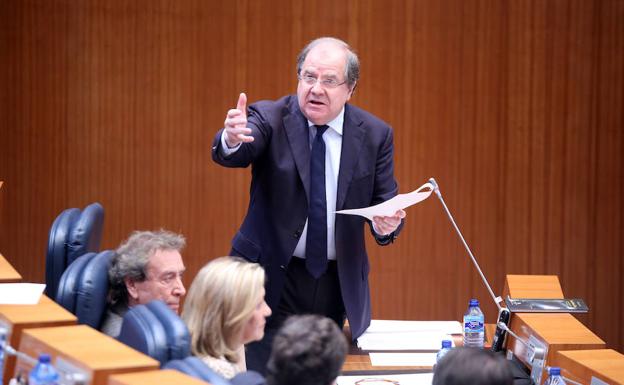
(472, 366)
(307, 350)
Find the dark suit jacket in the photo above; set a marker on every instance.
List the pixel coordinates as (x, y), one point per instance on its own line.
(280, 185)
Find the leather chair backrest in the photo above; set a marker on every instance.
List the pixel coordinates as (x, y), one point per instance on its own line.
(178, 336)
(86, 232)
(56, 256)
(195, 367)
(83, 288)
(155, 330)
(72, 234)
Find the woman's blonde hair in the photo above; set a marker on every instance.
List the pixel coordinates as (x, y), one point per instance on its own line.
(219, 302)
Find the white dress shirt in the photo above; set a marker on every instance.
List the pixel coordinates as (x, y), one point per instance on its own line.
(333, 148)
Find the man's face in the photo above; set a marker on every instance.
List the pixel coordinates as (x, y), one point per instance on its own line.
(322, 103)
(163, 281)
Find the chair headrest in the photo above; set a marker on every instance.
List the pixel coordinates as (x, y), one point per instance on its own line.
(83, 288)
(92, 290)
(56, 255)
(68, 284)
(86, 232)
(142, 331)
(178, 336)
(156, 330)
(195, 367)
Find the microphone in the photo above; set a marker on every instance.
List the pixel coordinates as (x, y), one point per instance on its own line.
(503, 312)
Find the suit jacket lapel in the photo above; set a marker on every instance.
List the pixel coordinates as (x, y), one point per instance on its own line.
(298, 136)
(352, 138)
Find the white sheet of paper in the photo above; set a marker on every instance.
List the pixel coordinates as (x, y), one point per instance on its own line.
(20, 293)
(407, 335)
(402, 341)
(389, 207)
(386, 379)
(402, 359)
(395, 326)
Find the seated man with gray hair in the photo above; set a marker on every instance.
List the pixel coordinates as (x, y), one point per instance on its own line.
(147, 266)
(307, 350)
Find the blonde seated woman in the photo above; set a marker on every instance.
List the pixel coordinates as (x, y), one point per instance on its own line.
(224, 310)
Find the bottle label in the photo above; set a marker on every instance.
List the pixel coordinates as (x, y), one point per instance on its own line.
(473, 324)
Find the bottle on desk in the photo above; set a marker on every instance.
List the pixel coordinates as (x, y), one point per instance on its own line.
(44, 372)
(3, 342)
(554, 376)
(446, 347)
(474, 325)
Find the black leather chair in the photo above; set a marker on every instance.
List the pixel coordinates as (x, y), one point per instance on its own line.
(73, 233)
(154, 329)
(83, 287)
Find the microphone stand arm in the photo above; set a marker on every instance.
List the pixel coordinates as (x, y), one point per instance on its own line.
(436, 190)
(503, 313)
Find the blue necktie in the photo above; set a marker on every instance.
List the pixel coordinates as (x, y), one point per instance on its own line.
(316, 242)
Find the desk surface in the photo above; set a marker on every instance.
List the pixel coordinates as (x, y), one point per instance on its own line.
(85, 348)
(7, 272)
(45, 313)
(358, 361)
(154, 377)
(581, 365)
(19, 317)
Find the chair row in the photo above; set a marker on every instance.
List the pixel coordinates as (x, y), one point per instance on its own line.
(77, 278)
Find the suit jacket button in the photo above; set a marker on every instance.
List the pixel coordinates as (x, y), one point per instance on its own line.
(297, 234)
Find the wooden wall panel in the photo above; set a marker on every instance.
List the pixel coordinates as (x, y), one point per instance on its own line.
(516, 108)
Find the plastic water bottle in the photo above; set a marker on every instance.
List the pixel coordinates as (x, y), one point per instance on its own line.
(446, 347)
(3, 342)
(43, 373)
(473, 325)
(554, 377)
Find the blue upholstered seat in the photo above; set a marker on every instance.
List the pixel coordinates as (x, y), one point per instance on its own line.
(159, 332)
(83, 287)
(156, 330)
(73, 233)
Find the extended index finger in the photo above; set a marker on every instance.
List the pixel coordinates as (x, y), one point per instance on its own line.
(242, 103)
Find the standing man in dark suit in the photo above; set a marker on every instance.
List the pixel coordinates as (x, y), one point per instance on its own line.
(311, 155)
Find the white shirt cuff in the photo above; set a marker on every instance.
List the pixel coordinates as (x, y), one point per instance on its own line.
(227, 151)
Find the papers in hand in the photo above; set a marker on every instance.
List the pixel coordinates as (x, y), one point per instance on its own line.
(391, 206)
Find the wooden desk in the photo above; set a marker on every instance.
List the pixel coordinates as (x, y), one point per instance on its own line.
(7, 272)
(557, 331)
(532, 286)
(85, 349)
(581, 365)
(358, 361)
(19, 317)
(152, 377)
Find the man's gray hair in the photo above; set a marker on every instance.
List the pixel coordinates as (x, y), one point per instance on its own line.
(352, 67)
(132, 257)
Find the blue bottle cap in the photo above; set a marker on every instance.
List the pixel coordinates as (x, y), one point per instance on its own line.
(446, 344)
(554, 371)
(44, 358)
(474, 302)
